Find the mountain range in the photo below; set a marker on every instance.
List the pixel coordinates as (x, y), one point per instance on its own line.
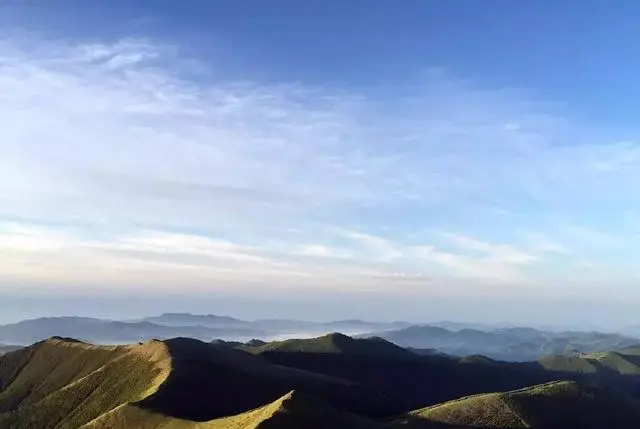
(505, 343)
(273, 326)
(331, 381)
(170, 325)
(512, 344)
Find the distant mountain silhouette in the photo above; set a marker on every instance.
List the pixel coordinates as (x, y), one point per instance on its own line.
(108, 331)
(5, 348)
(512, 344)
(273, 326)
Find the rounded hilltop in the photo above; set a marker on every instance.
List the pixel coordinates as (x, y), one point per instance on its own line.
(334, 343)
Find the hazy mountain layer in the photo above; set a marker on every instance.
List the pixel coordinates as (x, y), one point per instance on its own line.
(5, 348)
(512, 344)
(171, 325)
(273, 326)
(108, 331)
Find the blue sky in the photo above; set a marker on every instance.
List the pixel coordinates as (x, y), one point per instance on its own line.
(421, 160)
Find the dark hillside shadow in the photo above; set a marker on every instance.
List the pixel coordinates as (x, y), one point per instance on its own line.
(417, 383)
(612, 412)
(412, 384)
(209, 381)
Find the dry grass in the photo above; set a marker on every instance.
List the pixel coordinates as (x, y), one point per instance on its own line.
(560, 404)
(490, 410)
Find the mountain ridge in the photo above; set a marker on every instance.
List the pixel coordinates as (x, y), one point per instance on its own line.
(323, 382)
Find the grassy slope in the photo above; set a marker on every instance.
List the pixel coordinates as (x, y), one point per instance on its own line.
(563, 404)
(568, 364)
(61, 383)
(623, 362)
(489, 410)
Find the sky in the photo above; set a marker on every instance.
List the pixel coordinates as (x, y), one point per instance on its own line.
(415, 160)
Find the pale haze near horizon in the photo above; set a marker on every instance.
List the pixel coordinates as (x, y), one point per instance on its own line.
(318, 165)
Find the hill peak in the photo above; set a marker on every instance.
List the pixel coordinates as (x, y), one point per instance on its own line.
(59, 339)
(337, 336)
(65, 342)
(334, 343)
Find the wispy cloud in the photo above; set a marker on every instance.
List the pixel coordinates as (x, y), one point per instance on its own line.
(318, 250)
(381, 248)
(591, 236)
(476, 260)
(541, 242)
(126, 137)
(494, 252)
(156, 257)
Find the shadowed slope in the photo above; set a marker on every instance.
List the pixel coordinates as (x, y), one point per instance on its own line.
(562, 404)
(292, 411)
(296, 410)
(407, 379)
(240, 381)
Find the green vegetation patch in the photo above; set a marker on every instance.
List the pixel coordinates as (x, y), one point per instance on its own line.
(63, 384)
